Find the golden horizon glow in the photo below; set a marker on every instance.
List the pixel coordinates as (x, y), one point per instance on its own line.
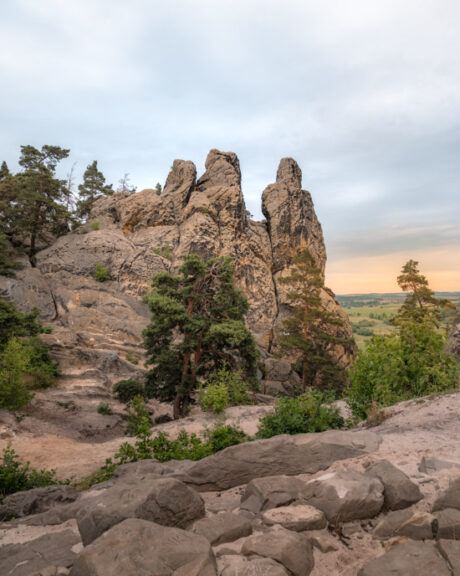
(362, 275)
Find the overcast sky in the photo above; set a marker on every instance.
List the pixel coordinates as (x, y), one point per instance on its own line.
(365, 95)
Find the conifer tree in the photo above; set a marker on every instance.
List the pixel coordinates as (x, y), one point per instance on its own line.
(92, 188)
(33, 201)
(420, 304)
(310, 331)
(197, 327)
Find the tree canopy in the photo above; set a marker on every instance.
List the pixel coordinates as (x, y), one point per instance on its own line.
(420, 304)
(33, 201)
(310, 331)
(197, 327)
(92, 188)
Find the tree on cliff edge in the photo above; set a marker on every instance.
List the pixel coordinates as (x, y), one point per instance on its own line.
(92, 188)
(197, 326)
(310, 330)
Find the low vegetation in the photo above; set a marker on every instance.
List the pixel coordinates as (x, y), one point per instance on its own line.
(126, 390)
(306, 413)
(101, 273)
(225, 389)
(25, 364)
(15, 476)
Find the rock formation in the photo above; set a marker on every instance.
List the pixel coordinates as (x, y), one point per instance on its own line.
(138, 235)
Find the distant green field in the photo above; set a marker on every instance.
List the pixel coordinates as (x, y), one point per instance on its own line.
(371, 314)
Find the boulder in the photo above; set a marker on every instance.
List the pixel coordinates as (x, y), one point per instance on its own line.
(399, 490)
(450, 549)
(25, 552)
(450, 497)
(225, 527)
(448, 523)
(165, 501)
(431, 465)
(35, 501)
(146, 549)
(298, 518)
(269, 492)
(240, 566)
(291, 549)
(290, 455)
(417, 526)
(408, 559)
(345, 495)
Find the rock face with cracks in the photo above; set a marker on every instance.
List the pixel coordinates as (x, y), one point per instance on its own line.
(99, 325)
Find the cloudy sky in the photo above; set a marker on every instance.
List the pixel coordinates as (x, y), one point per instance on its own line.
(364, 94)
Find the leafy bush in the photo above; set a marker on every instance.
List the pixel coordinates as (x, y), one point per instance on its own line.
(101, 273)
(15, 476)
(126, 390)
(405, 365)
(138, 416)
(164, 251)
(306, 413)
(103, 474)
(184, 447)
(14, 361)
(104, 409)
(214, 398)
(95, 225)
(227, 388)
(132, 359)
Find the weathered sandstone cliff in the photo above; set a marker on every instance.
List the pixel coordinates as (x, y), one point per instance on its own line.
(96, 325)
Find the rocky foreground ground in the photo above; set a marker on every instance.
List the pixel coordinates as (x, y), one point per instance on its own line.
(368, 502)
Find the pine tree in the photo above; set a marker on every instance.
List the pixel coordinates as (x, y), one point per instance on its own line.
(4, 171)
(310, 331)
(420, 304)
(92, 188)
(33, 201)
(197, 327)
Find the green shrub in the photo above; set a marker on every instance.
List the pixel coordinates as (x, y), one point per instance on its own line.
(224, 436)
(95, 225)
(138, 416)
(164, 251)
(132, 359)
(214, 398)
(14, 362)
(103, 474)
(203, 209)
(306, 413)
(226, 388)
(126, 390)
(405, 365)
(104, 409)
(15, 476)
(101, 273)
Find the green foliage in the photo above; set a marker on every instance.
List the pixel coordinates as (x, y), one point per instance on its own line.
(184, 447)
(101, 475)
(24, 360)
(164, 251)
(104, 409)
(420, 304)
(101, 273)
(158, 188)
(214, 398)
(227, 388)
(132, 359)
(94, 225)
(203, 209)
(14, 324)
(204, 309)
(15, 477)
(138, 416)
(126, 390)
(34, 203)
(8, 265)
(92, 188)
(311, 331)
(411, 363)
(306, 413)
